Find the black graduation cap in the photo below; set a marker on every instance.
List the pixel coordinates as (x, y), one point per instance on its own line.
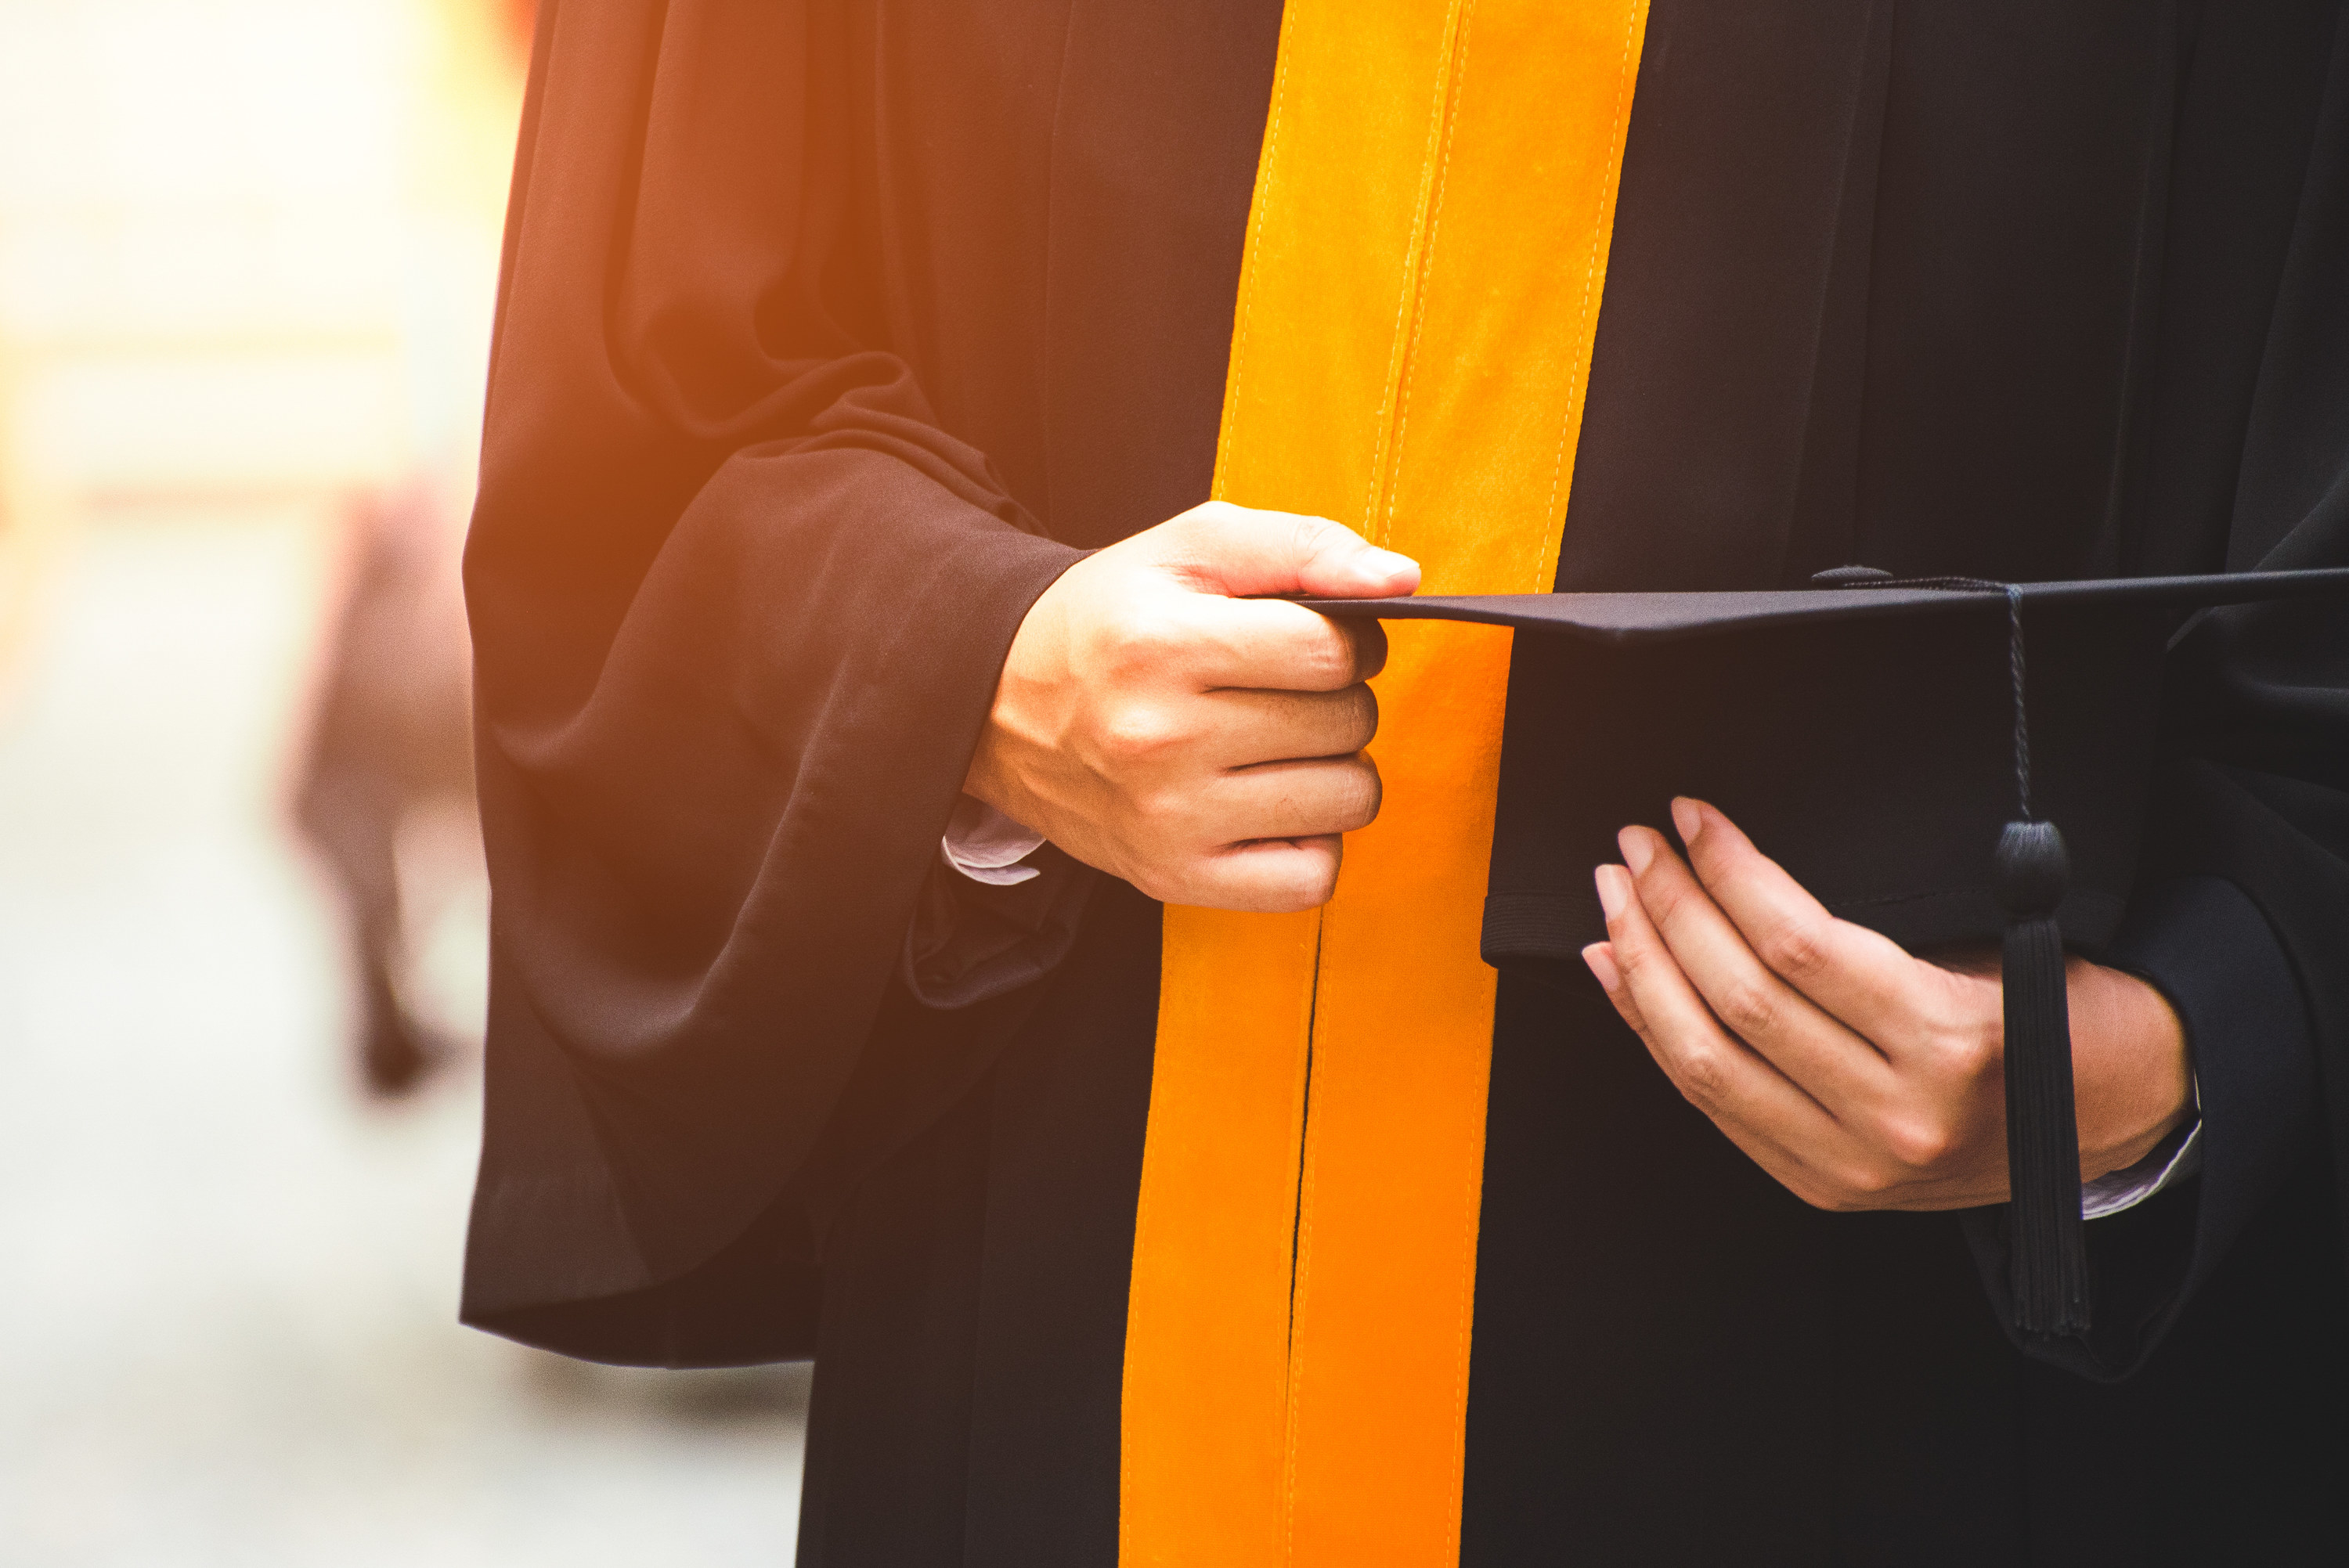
(1889, 744)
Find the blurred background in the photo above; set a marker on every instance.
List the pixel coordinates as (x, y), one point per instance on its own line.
(248, 252)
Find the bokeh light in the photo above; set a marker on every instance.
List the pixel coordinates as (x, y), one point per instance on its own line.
(247, 262)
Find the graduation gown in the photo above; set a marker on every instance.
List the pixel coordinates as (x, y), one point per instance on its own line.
(831, 334)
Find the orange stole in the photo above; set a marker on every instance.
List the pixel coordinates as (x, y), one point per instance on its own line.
(1409, 347)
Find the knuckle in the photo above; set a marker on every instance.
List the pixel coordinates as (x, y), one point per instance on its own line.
(1635, 959)
(1977, 1056)
(1797, 949)
(1919, 1142)
(1159, 814)
(1135, 733)
(1749, 1008)
(1665, 901)
(1326, 660)
(1966, 1055)
(1144, 641)
(1313, 535)
(1703, 1075)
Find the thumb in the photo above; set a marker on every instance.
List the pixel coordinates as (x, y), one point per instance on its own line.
(1240, 552)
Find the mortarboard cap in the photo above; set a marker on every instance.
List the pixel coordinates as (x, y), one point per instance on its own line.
(1945, 761)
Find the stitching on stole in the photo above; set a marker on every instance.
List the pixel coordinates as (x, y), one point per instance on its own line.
(1584, 333)
(1459, 87)
(1414, 296)
(1458, 1452)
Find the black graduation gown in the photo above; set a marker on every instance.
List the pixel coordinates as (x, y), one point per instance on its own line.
(830, 334)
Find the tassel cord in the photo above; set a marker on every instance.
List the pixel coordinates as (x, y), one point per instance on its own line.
(2048, 1248)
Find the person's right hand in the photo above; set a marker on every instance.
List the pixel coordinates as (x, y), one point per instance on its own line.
(1157, 721)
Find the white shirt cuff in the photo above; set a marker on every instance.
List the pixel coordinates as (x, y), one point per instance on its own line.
(2173, 1159)
(987, 846)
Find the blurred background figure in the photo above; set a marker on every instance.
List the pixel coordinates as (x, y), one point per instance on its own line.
(385, 796)
(386, 789)
(247, 262)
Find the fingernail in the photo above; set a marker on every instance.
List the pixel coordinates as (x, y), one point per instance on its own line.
(1610, 889)
(1602, 959)
(1385, 565)
(1687, 818)
(1636, 850)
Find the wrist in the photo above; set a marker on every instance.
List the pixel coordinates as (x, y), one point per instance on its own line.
(2133, 1083)
(1036, 668)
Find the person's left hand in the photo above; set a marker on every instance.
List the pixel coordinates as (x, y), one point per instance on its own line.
(1857, 1075)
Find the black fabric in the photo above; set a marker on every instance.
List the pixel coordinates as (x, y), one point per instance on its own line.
(829, 336)
(2091, 339)
(1676, 1361)
(970, 941)
(1873, 759)
(1067, 1123)
(707, 499)
(2211, 952)
(2227, 1447)
(830, 332)
(770, 432)
(1880, 735)
(973, 1315)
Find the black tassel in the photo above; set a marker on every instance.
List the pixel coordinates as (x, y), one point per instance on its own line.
(2048, 1250)
(2048, 1245)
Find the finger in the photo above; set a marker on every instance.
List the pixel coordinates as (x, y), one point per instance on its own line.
(1832, 1175)
(1600, 957)
(1244, 729)
(1782, 1163)
(1285, 800)
(1240, 552)
(1274, 645)
(1841, 1071)
(1268, 876)
(1859, 976)
(1719, 1074)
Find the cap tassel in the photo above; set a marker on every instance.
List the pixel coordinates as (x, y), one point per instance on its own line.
(2047, 1242)
(2048, 1247)
(2048, 1266)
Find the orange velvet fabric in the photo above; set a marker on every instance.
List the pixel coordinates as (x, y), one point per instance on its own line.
(1409, 349)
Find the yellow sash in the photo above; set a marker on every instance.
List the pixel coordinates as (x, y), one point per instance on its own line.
(1409, 352)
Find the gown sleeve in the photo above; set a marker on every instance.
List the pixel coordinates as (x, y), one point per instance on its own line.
(739, 603)
(2243, 915)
